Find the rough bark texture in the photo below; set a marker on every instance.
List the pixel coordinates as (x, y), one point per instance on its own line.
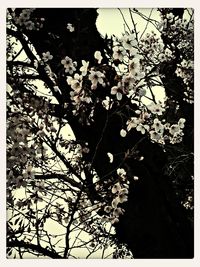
(154, 224)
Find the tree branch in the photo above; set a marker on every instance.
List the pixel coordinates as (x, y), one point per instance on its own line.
(33, 247)
(19, 63)
(18, 35)
(70, 223)
(29, 77)
(23, 42)
(60, 177)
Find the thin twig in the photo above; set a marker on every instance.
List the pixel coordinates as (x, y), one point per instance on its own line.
(100, 140)
(134, 26)
(146, 24)
(70, 223)
(124, 20)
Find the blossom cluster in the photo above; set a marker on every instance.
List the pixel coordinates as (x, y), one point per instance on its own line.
(158, 130)
(46, 56)
(20, 151)
(83, 83)
(185, 71)
(181, 32)
(119, 195)
(78, 95)
(131, 83)
(126, 53)
(23, 150)
(130, 56)
(69, 65)
(24, 20)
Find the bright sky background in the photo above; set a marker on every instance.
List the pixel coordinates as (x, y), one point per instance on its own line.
(110, 20)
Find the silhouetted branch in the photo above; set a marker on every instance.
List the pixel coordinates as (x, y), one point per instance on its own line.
(33, 247)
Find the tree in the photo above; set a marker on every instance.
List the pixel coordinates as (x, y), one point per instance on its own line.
(122, 182)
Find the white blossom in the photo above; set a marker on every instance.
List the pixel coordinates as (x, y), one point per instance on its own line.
(123, 198)
(84, 67)
(115, 91)
(107, 103)
(162, 57)
(98, 56)
(129, 41)
(20, 20)
(138, 75)
(181, 123)
(29, 25)
(156, 109)
(96, 77)
(110, 156)
(70, 27)
(123, 133)
(67, 61)
(116, 188)
(115, 202)
(25, 14)
(179, 72)
(47, 56)
(118, 211)
(168, 53)
(121, 172)
(170, 16)
(108, 209)
(123, 191)
(158, 126)
(174, 129)
(76, 82)
(29, 172)
(167, 126)
(115, 220)
(134, 66)
(142, 128)
(35, 63)
(118, 53)
(132, 123)
(155, 136)
(69, 65)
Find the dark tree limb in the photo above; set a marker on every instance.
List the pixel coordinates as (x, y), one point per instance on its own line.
(32, 247)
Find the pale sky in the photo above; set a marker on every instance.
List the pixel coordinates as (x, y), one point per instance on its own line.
(110, 20)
